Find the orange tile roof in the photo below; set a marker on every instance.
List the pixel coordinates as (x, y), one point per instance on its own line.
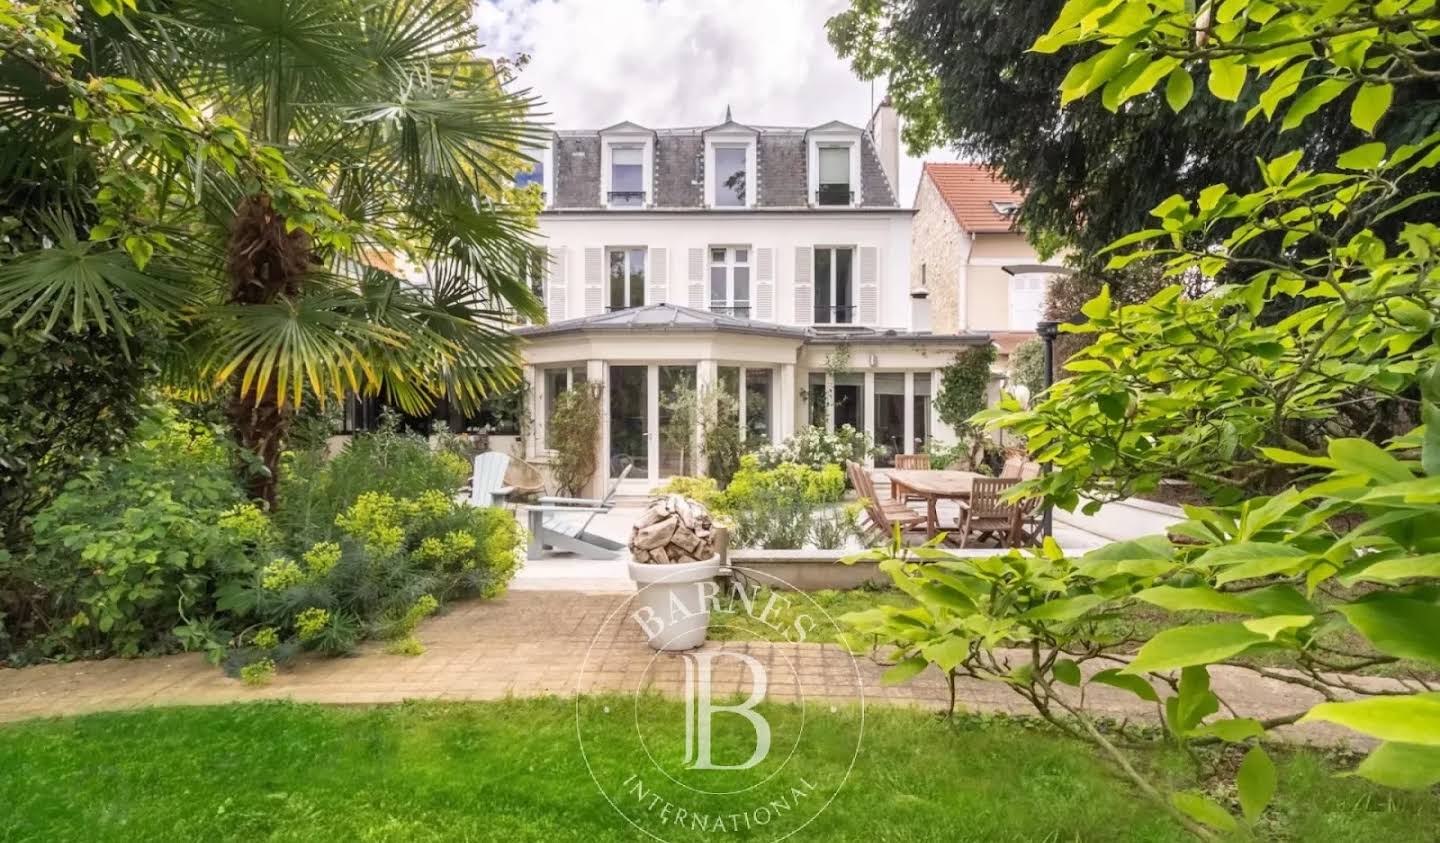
(969, 190)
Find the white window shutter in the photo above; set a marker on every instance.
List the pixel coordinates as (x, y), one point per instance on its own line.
(765, 283)
(556, 287)
(594, 281)
(804, 289)
(869, 285)
(659, 291)
(697, 279)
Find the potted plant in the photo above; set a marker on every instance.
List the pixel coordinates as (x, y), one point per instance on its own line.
(674, 562)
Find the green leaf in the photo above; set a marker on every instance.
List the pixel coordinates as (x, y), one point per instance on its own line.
(904, 670)
(1204, 811)
(1197, 598)
(1098, 307)
(949, 652)
(1396, 570)
(1235, 730)
(1312, 100)
(1179, 88)
(1413, 719)
(1194, 703)
(1366, 157)
(1114, 405)
(1134, 684)
(1227, 78)
(1193, 645)
(1364, 457)
(1430, 450)
(1067, 671)
(1371, 103)
(1273, 626)
(1064, 609)
(1405, 766)
(1256, 783)
(1397, 625)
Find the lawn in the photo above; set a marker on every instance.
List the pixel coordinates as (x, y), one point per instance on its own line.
(511, 771)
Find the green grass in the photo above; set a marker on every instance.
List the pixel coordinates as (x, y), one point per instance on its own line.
(775, 615)
(512, 771)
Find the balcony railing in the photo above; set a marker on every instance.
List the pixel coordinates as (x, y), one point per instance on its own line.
(627, 198)
(841, 314)
(739, 311)
(834, 194)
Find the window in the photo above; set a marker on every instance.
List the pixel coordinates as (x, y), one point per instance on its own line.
(1005, 209)
(834, 176)
(834, 297)
(818, 399)
(557, 383)
(730, 176)
(627, 278)
(889, 417)
(757, 405)
(730, 280)
(1027, 301)
(921, 411)
(850, 400)
(627, 176)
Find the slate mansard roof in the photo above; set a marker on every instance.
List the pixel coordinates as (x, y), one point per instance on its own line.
(678, 166)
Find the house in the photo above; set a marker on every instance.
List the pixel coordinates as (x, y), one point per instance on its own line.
(968, 258)
(770, 262)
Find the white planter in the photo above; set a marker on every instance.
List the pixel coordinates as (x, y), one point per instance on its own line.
(673, 604)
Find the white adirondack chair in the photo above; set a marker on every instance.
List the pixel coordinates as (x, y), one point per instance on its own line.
(564, 524)
(487, 484)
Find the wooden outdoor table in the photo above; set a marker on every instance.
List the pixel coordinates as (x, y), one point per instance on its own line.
(933, 486)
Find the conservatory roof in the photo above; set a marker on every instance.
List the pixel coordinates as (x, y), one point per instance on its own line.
(673, 318)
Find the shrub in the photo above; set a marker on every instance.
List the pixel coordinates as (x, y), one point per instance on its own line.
(135, 547)
(701, 489)
(65, 401)
(774, 507)
(316, 490)
(963, 387)
(816, 448)
(395, 562)
(831, 528)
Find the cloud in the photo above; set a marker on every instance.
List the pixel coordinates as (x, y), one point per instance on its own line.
(681, 62)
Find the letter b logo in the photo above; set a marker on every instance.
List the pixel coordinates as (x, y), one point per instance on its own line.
(700, 709)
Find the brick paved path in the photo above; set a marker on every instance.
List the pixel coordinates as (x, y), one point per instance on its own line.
(539, 643)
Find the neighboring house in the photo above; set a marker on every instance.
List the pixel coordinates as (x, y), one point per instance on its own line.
(968, 258)
(768, 262)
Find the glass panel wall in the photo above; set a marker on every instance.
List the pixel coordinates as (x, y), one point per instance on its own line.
(678, 422)
(629, 420)
(889, 417)
(921, 410)
(758, 384)
(818, 400)
(850, 400)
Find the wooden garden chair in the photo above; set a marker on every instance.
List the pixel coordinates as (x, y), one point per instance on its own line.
(986, 515)
(909, 462)
(883, 517)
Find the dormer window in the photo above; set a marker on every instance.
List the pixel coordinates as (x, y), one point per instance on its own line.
(627, 176)
(833, 152)
(626, 155)
(834, 186)
(730, 176)
(729, 173)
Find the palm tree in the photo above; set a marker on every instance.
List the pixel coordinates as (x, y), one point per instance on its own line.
(385, 109)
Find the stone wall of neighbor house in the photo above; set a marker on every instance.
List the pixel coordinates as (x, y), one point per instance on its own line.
(938, 244)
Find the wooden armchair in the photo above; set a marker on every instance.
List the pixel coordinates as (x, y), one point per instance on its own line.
(882, 516)
(986, 515)
(909, 462)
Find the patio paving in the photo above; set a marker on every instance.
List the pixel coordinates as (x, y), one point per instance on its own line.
(537, 643)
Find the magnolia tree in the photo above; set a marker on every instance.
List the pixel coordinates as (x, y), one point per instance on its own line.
(1323, 551)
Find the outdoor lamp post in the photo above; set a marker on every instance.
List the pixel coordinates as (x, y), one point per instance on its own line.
(1048, 330)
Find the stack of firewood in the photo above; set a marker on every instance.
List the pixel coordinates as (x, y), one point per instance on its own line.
(673, 529)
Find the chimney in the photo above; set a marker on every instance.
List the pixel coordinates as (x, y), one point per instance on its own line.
(884, 127)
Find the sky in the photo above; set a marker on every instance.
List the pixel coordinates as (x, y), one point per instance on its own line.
(666, 63)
